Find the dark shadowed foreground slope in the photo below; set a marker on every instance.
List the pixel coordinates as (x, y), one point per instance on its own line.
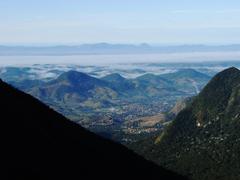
(39, 143)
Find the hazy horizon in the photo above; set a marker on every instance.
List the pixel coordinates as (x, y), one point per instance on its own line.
(132, 22)
(122, 59)
(136, 24)
(53, 44)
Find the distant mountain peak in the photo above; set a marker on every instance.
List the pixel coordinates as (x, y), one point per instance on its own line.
(188, 70)
(183, 73)
(150, 76)
(73, 73)
(75, 76)
(191, 72)
(71, 81)
(114, 77)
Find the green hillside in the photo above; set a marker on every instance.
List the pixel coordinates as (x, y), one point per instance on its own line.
(203, 141)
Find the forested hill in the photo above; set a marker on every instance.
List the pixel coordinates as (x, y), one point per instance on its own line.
(203, 140)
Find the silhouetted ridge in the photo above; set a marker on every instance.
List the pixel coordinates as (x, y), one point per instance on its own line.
(215, 96)
(39, 143)
(225, 79)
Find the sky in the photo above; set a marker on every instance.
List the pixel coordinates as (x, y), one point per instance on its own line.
(39, 22)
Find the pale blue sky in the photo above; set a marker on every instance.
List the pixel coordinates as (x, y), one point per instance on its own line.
(119, 21)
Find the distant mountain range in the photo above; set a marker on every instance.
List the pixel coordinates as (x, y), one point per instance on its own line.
(109, 104)
(105, 48)
(39, 143)
(203, 141)
(114, 87)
